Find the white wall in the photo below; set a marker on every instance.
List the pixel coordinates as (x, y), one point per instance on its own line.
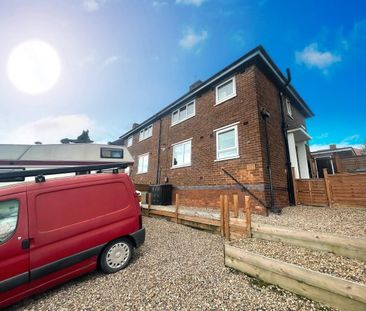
(293, 155)
(302, 159)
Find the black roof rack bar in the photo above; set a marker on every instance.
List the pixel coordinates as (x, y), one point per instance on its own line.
(61, 170)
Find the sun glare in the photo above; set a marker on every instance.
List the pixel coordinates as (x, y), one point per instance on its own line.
(34, 67)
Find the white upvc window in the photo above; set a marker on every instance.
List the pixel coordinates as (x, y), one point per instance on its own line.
(143, 163)
(288, 107)
(227, 144)
(184, 112)
(225, 90)
(129, 141)
(182, 153)
(146, 132)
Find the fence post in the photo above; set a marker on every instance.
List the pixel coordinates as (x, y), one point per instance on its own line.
(327, 187)
(236, 207)
(294, 186)
(148, 203)
(176, 206)
(226, 218)
(310, 192)
(248, 215)
(222, 215)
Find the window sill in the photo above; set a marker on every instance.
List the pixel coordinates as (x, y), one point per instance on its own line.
(224, 159)
(225, 99)
(145, 138)
(141, 173)
(183, 120)
(180, 166)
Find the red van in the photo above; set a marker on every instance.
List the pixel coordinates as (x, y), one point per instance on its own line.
(52, 231)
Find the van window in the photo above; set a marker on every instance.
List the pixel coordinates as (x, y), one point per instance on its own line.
(8, 219)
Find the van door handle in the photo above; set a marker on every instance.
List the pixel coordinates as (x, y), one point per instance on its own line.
(25, 244)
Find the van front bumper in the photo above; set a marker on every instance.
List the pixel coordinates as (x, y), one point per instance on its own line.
(138, 237)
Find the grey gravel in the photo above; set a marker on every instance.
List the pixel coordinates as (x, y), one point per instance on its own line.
(339, 266)
(178, 268)
(345, 221)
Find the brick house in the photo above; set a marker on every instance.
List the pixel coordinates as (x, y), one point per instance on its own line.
(244, 119)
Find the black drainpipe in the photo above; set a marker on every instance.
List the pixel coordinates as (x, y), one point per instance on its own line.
(265, 115)
(157, 181)
(290, 189)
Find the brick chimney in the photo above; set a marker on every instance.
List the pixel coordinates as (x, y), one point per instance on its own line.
(195, 85)
(333, 146)
(134, 125)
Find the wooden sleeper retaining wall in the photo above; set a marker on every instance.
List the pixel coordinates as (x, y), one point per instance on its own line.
(344, 246)
(332, 291)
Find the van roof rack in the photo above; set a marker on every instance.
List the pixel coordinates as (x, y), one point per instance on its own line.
(40, 173)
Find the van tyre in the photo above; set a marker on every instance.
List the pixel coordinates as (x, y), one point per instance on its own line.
(116, 256)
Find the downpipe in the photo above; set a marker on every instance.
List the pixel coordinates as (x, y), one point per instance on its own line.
(272, 208)
(157, 179)
(290, 189)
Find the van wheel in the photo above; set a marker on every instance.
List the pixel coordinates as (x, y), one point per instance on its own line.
(116, 256)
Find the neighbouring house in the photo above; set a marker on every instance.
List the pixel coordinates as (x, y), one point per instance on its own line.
(245, 118)
(331, 159)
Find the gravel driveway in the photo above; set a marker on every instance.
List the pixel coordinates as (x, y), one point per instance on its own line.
(178, 268)
(344, 221)
(348, 221)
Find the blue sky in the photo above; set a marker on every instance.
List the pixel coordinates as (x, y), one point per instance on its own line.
(123, 60)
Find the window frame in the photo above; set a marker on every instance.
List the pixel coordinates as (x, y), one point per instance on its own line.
(224, 129)
(145, 129)
(187, 117)
(183, 142)
(289, 107)
(129, 141)
(218, 101)
(17, 221)
(111, 150)
(138, 163)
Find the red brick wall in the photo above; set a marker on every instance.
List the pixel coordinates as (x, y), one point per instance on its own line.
(204, 170)
(211, 199)
(202, 183)
(148, 145)
(297, 119)
(268, 98)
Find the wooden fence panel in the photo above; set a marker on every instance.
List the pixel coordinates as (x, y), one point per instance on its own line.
(311, 192)
(348, 189)
(350, 164)
(344, 189)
